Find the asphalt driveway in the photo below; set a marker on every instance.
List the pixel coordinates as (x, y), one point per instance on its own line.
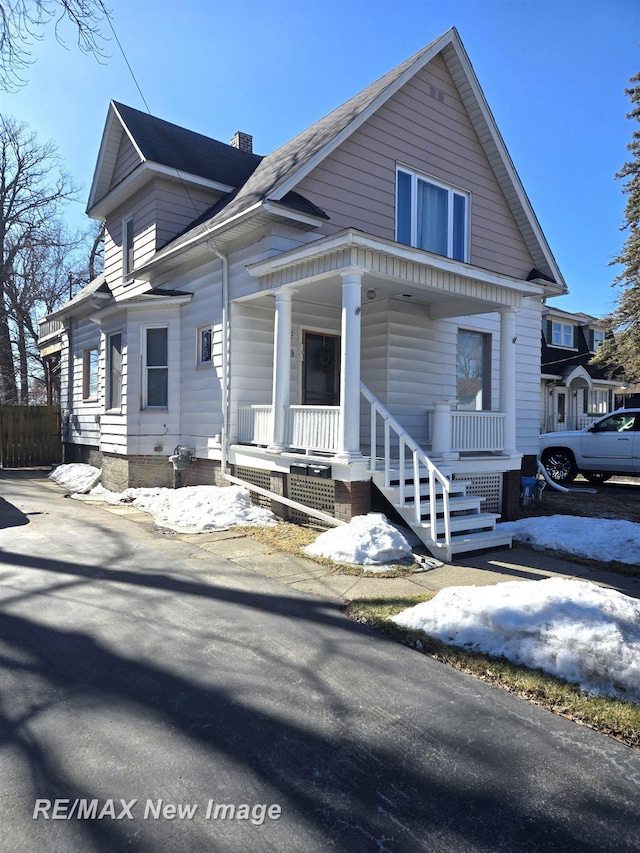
(157, 697)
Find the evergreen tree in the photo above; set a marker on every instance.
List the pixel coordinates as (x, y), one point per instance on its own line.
(622, 347)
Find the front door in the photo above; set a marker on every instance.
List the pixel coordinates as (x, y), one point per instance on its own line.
(321, 369)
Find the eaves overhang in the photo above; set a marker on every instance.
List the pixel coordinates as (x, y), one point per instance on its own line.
(139, 178)
(195, 246)
(381, 259)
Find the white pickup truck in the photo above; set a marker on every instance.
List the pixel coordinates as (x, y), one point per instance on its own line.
(610, 445)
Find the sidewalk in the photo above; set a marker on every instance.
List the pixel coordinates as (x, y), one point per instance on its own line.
(308, 576)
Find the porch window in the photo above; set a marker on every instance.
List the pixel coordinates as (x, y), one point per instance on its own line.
(432, 216)
(205, 346)
(114, 357)
(156, 368)
(127, 247)
(474, 371)
(599, 401)
(562, 334)
(90, 374)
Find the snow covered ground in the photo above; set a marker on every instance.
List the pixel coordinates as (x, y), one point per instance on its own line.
(573, 629)
(576, 630)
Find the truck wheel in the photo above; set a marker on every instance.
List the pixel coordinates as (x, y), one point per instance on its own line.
(560, 465)
(597, 477)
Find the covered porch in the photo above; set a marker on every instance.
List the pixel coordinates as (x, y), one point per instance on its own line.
(364, 280)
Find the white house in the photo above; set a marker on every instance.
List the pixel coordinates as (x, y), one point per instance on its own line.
(355, 316)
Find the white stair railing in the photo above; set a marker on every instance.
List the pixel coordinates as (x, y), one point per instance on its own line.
(394, 435)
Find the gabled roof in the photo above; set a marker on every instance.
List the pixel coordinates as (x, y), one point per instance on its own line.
(279, 172)
(167, 146)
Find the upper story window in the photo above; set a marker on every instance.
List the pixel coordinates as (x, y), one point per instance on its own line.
(562, 334)
(156, 368)
(597, 339)
(432, 216)
(127, 247)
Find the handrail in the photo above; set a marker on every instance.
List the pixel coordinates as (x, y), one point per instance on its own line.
(418, 457)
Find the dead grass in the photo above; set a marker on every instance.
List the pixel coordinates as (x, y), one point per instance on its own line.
(612, 717)
(293, 538)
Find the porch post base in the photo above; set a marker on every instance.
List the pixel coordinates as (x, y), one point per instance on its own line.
(447, 456)
(275, 448)
(345, 457)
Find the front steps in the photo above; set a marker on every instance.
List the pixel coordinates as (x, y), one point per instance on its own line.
(470, 528)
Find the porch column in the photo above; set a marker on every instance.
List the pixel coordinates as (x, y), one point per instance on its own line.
(349, 437)
(508, 377)
(280, 397)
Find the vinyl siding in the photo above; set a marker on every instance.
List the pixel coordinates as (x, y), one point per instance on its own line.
(355, 184)
(126, 161)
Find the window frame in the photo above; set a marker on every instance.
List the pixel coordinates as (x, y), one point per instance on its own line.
(452, 193)
(487, 347)
(90, 376)
(563, 327)
(147, 368)
(597, 342)
(114, 400)
(200, 331)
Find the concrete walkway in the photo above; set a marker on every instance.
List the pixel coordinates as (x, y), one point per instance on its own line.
(308, 576)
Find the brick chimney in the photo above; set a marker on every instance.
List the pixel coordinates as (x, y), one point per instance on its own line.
(242, 141)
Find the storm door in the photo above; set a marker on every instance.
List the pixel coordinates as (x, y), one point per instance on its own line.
(321, 370)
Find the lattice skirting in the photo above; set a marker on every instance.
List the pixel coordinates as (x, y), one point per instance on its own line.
(487, 486)
(313, 492)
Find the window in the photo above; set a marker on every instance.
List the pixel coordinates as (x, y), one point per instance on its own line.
(599, 402)
(156, 369)
(562, 407)
(562, 334)
(114, 395)
(432, 216)
(205, 346)
(127, 247)
(474, 373)
(90, 374)
(597, 339)
(321, 369)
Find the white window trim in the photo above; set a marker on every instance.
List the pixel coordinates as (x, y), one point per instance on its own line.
(143, 348)
(108, 401)
(563, 326)
(199, 362)
(87, 396)
(451, 190)
(596, 344)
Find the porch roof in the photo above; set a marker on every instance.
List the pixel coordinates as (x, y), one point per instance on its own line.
(390, 270)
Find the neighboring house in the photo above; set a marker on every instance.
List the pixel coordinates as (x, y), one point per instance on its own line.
(362, 306)
(573, 392)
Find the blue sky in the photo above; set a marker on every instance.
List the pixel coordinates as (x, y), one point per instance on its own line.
(553, 71)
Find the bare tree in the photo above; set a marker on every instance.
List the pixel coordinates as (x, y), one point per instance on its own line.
(23, 21)
(33, 189)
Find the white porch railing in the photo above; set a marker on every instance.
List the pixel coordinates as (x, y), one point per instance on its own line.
(315, 428)
(255, 424)
(400, 452)
(311, 428)
(479, 431)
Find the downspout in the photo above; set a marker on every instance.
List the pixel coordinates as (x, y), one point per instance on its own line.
(224, 437)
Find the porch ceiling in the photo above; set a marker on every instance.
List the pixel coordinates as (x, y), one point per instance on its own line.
(449, 288)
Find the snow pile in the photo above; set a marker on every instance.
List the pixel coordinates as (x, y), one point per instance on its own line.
(76, 477)
(192, 509)
(575, 630)
(366, 541)
(598, 538)
(202, 508)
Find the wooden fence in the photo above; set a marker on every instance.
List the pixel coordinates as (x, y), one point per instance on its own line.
(29, 436)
